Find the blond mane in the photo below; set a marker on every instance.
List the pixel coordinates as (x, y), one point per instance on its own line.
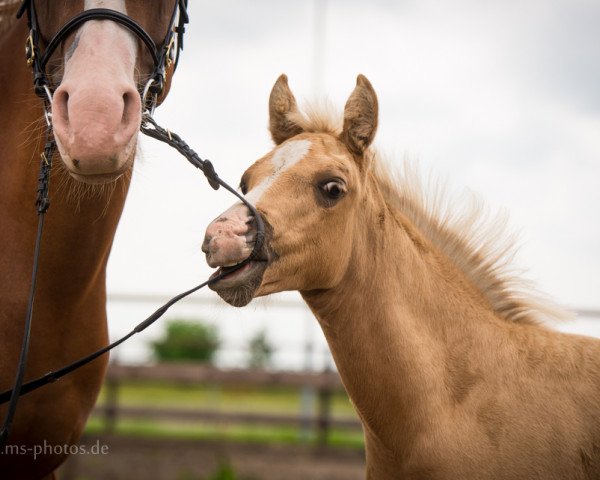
(464, 231)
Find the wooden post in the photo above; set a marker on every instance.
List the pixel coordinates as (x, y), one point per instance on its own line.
(111, 404)
(307, 413)
(324, 414)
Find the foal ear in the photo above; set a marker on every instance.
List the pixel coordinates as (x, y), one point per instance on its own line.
(360, 117)
(282, 103)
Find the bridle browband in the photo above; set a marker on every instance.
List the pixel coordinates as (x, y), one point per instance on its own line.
(163, 57)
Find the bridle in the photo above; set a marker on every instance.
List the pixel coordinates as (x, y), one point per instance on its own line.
(163, 56)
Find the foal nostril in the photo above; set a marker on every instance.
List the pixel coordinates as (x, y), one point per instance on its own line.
(206, 244)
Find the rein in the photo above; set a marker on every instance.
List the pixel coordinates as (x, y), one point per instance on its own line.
(149, 127)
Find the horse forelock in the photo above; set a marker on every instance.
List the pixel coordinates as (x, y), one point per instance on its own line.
(463, 229)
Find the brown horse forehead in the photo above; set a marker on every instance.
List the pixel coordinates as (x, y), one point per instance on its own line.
(152, 16)
(51, 16)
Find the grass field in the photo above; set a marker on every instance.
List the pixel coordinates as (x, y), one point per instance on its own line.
(226, 400)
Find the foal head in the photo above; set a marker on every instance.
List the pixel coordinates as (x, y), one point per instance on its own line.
(98, 73)
(308, 190)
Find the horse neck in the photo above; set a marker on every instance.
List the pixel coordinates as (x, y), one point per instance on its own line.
(397, 325)
(79, 229)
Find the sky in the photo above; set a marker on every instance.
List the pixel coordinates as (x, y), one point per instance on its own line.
(497, 98)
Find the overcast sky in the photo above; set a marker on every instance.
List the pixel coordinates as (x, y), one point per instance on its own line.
(501, 98)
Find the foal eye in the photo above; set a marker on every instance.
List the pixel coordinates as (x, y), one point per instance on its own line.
(333, 190)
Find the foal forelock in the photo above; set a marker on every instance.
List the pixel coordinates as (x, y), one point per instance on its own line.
(464, 231)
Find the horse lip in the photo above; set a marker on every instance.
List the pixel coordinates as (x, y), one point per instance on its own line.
(96, 179)
(238, 289)
(100, 178)
(232, 268)
(262, 256)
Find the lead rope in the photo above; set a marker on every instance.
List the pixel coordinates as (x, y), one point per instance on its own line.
(152, 129)
(37, 62)
(42, 203)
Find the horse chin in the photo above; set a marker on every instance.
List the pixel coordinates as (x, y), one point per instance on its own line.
(101, 170)
(239, 288)
(99, 179)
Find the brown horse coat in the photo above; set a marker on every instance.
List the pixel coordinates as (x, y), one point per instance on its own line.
(96, 115)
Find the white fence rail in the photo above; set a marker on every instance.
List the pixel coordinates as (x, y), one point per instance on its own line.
(290, 326)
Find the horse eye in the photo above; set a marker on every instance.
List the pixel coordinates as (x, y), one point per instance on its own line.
(334, 190)
(243, 188)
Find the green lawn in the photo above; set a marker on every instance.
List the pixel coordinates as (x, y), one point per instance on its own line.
(280, 400)
(223, 399)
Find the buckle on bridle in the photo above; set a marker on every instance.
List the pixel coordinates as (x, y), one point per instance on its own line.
(29, 50)
(150, 94)
(47, 105)
(169, 55)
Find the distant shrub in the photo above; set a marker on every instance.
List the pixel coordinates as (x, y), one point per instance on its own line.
(225, 471)
(261, 350)
(187, 340)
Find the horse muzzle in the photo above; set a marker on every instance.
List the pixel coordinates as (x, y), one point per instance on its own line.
(228, 242)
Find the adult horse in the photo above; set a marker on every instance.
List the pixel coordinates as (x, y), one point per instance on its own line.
(96, 74)
(441, 355)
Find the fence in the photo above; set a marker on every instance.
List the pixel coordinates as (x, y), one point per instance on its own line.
(320, 420)
(290, 326)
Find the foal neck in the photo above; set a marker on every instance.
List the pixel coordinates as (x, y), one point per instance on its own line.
(401, 326)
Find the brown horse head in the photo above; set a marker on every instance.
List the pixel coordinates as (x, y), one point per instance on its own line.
(306, 189)
(98, 73)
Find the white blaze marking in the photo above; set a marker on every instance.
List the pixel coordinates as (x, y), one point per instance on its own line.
(284, 158)
(118, 5)
(121, 7)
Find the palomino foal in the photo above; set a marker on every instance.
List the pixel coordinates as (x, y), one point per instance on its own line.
(96, 73)
(451, 376)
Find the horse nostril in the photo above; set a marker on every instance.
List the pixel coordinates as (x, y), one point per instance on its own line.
(60, 105)
(131, 105)
(76, 162)
(205, 244)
